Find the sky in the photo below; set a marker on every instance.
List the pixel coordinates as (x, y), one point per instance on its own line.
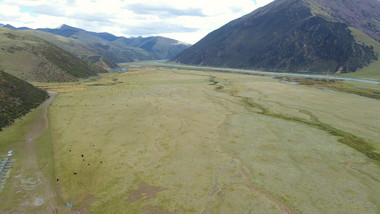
(184, 20)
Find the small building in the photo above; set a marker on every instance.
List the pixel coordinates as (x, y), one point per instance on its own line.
(10, 153)
(118, 70)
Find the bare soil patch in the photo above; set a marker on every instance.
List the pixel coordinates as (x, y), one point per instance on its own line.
(144, 191)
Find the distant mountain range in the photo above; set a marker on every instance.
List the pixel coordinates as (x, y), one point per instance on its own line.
(14, 28)
(105, 49)
(310, 36)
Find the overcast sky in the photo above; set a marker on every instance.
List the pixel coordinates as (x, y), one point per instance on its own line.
(184, 20)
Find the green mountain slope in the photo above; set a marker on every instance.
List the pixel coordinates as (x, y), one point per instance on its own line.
(17, 97)
(292, 36)
(83, 50)
(33, 59)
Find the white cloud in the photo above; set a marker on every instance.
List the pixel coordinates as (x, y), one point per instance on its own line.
(185, 20)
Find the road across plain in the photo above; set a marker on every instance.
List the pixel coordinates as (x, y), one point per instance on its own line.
(267, 73)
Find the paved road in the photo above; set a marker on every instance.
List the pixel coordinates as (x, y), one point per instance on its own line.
(267, 73)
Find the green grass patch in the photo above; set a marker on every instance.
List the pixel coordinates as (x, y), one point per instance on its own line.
(45, 154)
(364, 90)
(13, 138)
(14, 134)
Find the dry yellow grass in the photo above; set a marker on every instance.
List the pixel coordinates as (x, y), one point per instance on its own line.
(157, 140)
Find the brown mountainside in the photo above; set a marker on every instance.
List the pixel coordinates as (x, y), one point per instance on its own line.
(293, 36)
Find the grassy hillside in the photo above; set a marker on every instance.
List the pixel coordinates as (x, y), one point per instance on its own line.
(85, 51)
(105, 49)
(17, 97)
(33, 59)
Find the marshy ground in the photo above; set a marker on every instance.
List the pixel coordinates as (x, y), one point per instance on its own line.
(156, 140)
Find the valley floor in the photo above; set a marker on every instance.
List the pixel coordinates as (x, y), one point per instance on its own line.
(156, 140)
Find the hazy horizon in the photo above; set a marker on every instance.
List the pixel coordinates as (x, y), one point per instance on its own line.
(186, 21)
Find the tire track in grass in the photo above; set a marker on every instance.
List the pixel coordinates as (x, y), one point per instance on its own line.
(246, 176)
(241, 164)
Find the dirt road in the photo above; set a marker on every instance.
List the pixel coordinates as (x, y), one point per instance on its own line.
(31, 185)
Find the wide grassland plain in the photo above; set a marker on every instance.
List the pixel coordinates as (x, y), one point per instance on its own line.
(158, 140)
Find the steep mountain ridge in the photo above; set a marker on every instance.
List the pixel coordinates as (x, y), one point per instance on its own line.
(286, 35)
(362, 15)
(17, 98)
